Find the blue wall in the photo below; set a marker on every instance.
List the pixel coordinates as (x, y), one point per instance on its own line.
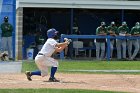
(8, 8)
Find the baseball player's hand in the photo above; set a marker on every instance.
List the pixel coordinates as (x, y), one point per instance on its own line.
(67, 40)
(128, 34)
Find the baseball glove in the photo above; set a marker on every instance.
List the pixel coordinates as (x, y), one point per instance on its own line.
(67, 40)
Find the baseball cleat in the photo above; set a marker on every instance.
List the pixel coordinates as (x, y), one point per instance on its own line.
(28, 74)
(53, 79)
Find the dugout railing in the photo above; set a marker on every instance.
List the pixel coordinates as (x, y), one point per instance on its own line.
(108, 37)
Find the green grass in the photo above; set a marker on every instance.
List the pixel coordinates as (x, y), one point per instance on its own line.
(82, 65)
(66, 65)
(53, 91)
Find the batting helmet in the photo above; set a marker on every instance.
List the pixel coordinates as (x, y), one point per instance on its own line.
(51, 33)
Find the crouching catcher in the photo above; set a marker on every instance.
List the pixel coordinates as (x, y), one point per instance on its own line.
(44, 60)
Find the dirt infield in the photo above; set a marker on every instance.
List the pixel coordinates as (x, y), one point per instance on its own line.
(126, 83)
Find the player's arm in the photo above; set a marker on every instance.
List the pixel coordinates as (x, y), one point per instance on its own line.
(61, 46)
(118, 31)
(127, 32)
(132, 31)
(109, 30)
(100, 33)
(133, 34)
(2, 27)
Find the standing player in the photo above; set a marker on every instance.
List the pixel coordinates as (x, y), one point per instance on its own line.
(112, 29)
(121, 43)
(135, 31)
(44, 60)
(100, 43)
(7, 29)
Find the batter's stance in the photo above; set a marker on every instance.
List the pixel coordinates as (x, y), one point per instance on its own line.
(44, 60)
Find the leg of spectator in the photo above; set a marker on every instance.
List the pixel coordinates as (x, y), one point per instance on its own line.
(124, 48)
(4, 44)
(136, 50)
(129, 44)
(111, 46)
(66, 51)
(118, 45)
(97, 50)
(10, 49)
(102, 50)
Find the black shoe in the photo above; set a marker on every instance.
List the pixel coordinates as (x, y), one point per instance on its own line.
(28, 74)
(53, 79)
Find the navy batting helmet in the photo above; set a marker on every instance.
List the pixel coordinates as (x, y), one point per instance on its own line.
(51, 33)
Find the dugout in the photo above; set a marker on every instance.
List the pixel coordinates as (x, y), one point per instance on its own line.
(60, 18)
(60, 15)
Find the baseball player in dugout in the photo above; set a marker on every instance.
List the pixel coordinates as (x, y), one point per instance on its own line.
(7, 29)
(100, 43)
(39, 40)
(44, 60)
(135, 31)
(122, 31)
(111, 30)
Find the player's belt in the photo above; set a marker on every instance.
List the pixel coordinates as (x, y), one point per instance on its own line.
(40, 54)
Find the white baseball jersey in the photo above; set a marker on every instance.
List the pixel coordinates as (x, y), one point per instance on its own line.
(49, 47)
(44, 59)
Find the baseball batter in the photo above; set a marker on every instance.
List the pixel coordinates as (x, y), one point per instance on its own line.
(135, 31)
(44, 60)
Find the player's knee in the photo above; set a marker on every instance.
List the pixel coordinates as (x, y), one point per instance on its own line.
(56, 64)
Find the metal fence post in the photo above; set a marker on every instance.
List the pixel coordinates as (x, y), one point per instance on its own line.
(108, 47)
(62, 52)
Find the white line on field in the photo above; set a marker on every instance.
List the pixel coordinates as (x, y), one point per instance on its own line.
(103, 70)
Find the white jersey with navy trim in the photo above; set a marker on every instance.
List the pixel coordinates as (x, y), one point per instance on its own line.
(49, 47)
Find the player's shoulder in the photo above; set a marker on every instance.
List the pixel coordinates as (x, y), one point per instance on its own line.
(120, 27)
(109, 26)
(133, 27)
(99, 27)
(51, 40)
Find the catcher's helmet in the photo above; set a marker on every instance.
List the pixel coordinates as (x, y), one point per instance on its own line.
(51, 33)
